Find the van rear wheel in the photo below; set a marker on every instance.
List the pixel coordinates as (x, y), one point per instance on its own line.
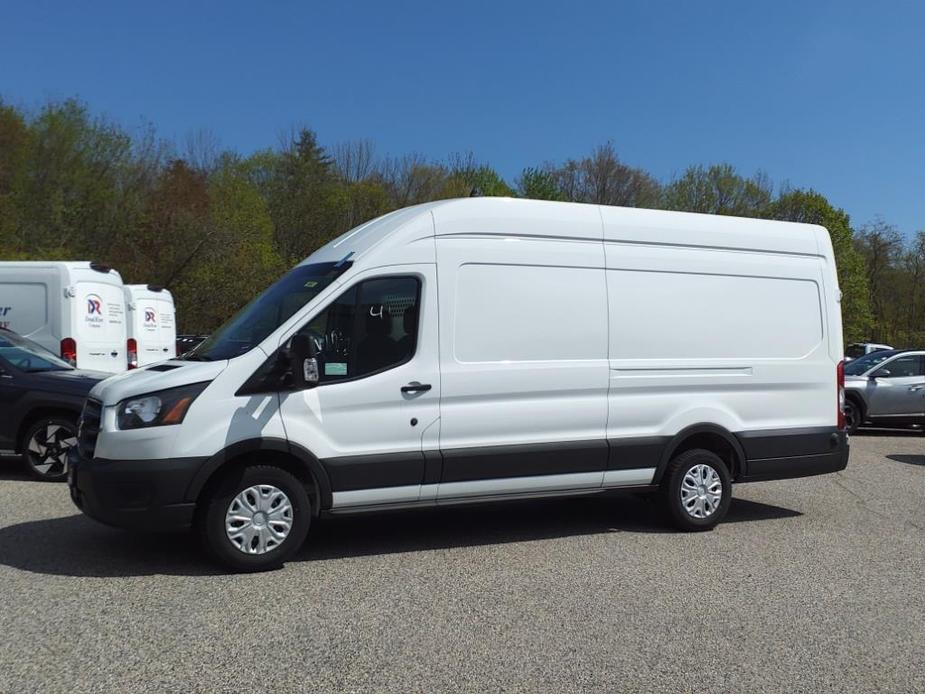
(255, 519)
(697, 489)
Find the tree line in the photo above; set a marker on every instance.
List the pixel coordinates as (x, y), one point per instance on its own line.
(217, 227)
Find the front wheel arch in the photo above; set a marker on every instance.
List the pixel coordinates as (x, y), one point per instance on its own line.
(264, 451)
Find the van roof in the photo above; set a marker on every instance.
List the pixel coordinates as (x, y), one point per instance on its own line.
(146, 291)
(513, 217)
(104, 273)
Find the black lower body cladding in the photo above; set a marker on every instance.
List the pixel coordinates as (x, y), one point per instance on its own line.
(786, 453)
(162, 494)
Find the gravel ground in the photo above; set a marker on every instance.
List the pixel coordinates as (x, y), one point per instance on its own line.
(810, 585)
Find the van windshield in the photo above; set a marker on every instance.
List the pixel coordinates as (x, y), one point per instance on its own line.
(252, 324)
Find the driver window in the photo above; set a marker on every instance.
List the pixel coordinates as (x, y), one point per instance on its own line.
(369, 328)
(901, 367)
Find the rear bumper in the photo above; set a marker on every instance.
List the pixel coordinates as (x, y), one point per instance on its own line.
(801, 454)
(136, 494)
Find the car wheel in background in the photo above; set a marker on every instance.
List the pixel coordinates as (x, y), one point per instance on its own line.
(46, 445)
(698, 490)
(852, 416)
(255, 519)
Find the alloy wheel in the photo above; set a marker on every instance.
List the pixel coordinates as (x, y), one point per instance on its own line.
(48, 448)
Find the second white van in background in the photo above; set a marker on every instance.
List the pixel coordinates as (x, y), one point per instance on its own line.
(152, 328)
(75, 309)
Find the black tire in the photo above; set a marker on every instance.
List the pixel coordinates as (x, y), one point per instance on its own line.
(45, 447)
(212, 515)
(683, 518)
(854, 415)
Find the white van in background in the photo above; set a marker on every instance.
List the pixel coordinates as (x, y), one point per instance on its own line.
(152, 328)
(484, 349)
(74, 309)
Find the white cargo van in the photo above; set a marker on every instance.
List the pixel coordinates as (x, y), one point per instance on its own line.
(74, 309)
(152, 331)
(485, 349)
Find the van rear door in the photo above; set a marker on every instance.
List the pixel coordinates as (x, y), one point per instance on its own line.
(154, 328)
(99, 326)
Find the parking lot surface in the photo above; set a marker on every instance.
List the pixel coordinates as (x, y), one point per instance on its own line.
(810, 585)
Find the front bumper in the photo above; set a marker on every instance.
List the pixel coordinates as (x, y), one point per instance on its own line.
(136, 494)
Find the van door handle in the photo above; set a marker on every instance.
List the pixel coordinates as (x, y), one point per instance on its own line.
(416, 388)
(915, 388)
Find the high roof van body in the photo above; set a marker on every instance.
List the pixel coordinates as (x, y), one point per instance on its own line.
(74, 309)
(486, 349)
(151, 324)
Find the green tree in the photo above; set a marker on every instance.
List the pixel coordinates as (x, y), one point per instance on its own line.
(810, 207)
(881, 247)
(237, 258)
(538, 184)
(307, 201)
(478, 179)
(71, 197)
(603, 179)
(718, 189)
(14, 144)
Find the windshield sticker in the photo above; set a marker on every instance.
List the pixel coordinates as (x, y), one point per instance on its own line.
(311, 283)
(337, 368)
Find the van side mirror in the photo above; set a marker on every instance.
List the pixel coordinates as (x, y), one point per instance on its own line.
(302, 355)
(881, 373)
(294, 366)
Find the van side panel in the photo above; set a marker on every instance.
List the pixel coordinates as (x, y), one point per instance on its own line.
(30, 302)
(731, 338)
(523, 358)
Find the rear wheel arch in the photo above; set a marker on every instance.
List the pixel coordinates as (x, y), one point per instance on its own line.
(280, 453)
(858, 400)
(709, 437)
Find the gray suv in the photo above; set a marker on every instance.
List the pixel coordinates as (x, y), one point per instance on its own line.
(885, 388)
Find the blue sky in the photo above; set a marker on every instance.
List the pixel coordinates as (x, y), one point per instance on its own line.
(823, 94)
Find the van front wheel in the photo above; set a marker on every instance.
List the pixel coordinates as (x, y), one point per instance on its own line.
(255, 519)
(698, 490)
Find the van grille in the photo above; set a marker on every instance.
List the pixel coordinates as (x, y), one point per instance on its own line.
(89, 428)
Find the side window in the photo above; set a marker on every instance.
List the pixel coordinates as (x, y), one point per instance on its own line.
(901, 367)
(369, 328)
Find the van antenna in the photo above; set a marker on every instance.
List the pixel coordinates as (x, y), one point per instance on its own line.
(344, 259)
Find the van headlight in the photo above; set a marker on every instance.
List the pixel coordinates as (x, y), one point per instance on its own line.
(157, 409)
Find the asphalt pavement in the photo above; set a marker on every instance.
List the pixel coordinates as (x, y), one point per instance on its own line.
(810, 585)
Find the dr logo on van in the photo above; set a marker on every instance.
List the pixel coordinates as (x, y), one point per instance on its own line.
(94, 317)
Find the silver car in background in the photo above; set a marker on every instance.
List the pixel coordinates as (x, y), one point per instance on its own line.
(885, 388)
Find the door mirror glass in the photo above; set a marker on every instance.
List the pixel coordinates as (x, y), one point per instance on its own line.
(310, 374)
(303, 366)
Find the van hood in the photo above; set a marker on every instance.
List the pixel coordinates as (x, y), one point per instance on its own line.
(148, 379)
